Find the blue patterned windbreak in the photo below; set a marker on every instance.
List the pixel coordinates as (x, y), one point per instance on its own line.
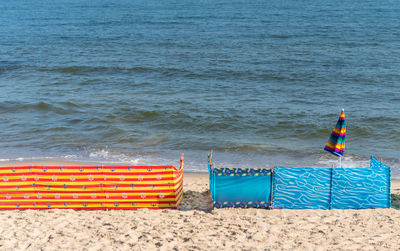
(332, 188)
(301, 187)
(361, 187)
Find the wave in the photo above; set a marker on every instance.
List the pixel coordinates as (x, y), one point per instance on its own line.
(61, 108)
(85, 69)
(186, 73)
(136, 116)
(7, 65)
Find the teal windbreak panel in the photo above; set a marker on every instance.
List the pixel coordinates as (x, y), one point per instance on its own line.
(357, 188)
(332, 188)
(239, 187)
(301, 188)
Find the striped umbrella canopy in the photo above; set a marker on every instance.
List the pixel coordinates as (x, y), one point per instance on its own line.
(336, 142)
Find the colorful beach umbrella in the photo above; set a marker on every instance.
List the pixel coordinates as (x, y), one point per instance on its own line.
(336, 142)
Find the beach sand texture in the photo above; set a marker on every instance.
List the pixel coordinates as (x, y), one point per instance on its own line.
(195, 226)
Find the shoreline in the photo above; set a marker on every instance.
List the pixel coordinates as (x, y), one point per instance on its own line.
(77, 163)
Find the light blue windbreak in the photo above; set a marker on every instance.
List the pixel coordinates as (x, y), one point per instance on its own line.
(332, 188)
(240, 187)
(361, 187)
(301, 188)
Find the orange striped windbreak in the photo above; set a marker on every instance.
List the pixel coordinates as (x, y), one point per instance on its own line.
(90, 187)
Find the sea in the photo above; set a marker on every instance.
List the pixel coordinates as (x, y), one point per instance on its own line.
(261, 83)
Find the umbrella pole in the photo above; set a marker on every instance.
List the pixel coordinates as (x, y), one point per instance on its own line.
(340, 161)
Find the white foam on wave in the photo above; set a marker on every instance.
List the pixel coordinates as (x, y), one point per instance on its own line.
(112, 157)
(348, 162)
(35, 158)
(196, 161)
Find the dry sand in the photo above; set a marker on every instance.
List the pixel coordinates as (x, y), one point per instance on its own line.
(197, 227)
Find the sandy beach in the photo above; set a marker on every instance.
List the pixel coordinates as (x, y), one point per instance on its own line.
(196, 226)
(98, 90)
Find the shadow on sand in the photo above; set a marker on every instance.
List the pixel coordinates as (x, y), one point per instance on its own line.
(396, 201)
(193, 200)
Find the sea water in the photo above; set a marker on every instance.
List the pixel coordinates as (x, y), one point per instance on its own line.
(139, 82)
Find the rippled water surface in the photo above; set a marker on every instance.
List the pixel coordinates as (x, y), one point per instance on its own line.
(141, 81)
